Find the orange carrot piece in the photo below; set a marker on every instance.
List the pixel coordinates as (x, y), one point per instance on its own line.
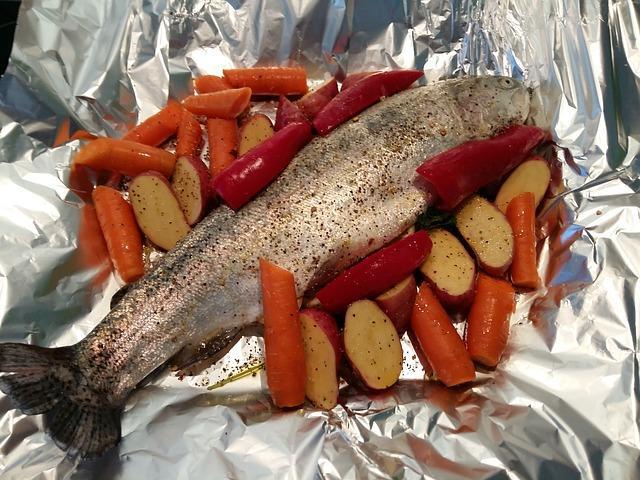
(210, 84)
(62, 135)
(284, 352)
(189, 135)
(222, 104)
(269, 80)
(120, 231)
(488, 320)
(223, 143)
(439, 340)
(128, 158)
(156, 129)
(91, 244)
(82, 135)
(521, 214)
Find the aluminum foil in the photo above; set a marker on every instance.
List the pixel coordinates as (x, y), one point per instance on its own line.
(564, 402)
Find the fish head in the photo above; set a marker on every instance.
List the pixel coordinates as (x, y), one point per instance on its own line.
(492, 103)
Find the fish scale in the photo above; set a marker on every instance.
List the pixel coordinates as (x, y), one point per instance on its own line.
(342, 197)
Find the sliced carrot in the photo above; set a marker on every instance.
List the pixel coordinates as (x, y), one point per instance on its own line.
(488, 320)
(439, 340)
(269, 80)
(82, 135)
(189, 135)
(157, 128)
(210, 84)
(223, 143)
(284, 351)
(91, 244)
(125, 157)
(121, 232)
(222, 104)
(521, 214)
(62, 135)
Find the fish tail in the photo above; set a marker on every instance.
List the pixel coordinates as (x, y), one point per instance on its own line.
(45, 381)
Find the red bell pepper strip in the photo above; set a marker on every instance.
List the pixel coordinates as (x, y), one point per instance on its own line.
(463, 170)
(376, 273)
(288, 112)
(351, 79)
(361, 95)
(251, 173)
(313, 102)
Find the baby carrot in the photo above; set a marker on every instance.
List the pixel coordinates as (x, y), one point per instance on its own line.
(120, 231)
(223, 143)
(210, 84)
(439, 340)
(284, 351)
(157, 128)
(189, 135)
(222, 104)
(269, 80)
(521, 214)
(128, 158)
(82, 135)
(488, 320)
(91, 245)
(62, 135)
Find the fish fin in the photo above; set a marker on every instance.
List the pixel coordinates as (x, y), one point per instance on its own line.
(44, 381)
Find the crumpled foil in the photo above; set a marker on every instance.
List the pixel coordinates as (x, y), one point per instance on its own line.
(564, 402)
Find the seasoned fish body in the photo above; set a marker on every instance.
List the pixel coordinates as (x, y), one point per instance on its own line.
(341, 198)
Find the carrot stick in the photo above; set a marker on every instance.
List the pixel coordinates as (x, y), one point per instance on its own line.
(91, 244)
(157, 128)
(439, 340)
(269, 80)
(222, 104)
(223, 143)
(521, 214)
(210, 84)
(128, 158)
(120, 231)
(488, 320)
(62, 135)
(82, 135)
(284, 351)
(189, 135)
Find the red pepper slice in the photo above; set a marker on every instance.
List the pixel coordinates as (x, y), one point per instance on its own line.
(313, 102)
(251, 173)
(376, 273)
(463, 170)
(361, 95)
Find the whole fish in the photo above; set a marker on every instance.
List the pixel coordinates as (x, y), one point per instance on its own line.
(342, 197)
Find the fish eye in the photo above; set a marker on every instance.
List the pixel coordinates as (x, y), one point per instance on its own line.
(506, 82)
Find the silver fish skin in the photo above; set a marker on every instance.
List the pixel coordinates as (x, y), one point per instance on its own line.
(342, 197)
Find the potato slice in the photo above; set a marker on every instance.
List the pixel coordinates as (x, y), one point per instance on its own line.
(157, 210)
(322, 353)
(450, 270)
(372, 345)
(255, 130)
(530, 176)
(397, 303)
(190, 184)
(488, 233)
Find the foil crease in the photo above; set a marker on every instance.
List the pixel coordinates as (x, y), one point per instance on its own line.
(564, 402)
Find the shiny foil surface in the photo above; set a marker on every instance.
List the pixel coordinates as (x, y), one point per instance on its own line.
(562, 404)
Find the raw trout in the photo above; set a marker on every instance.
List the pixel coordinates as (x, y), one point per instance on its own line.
(341, 198)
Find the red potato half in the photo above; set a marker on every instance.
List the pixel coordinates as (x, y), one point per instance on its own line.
(372, 345)
(488, 233)
(530, 176)
(255, 130)
(450, 270)
(323, 352)
(191, 186)
(157, 210)
(397, 303)
(288, 112)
